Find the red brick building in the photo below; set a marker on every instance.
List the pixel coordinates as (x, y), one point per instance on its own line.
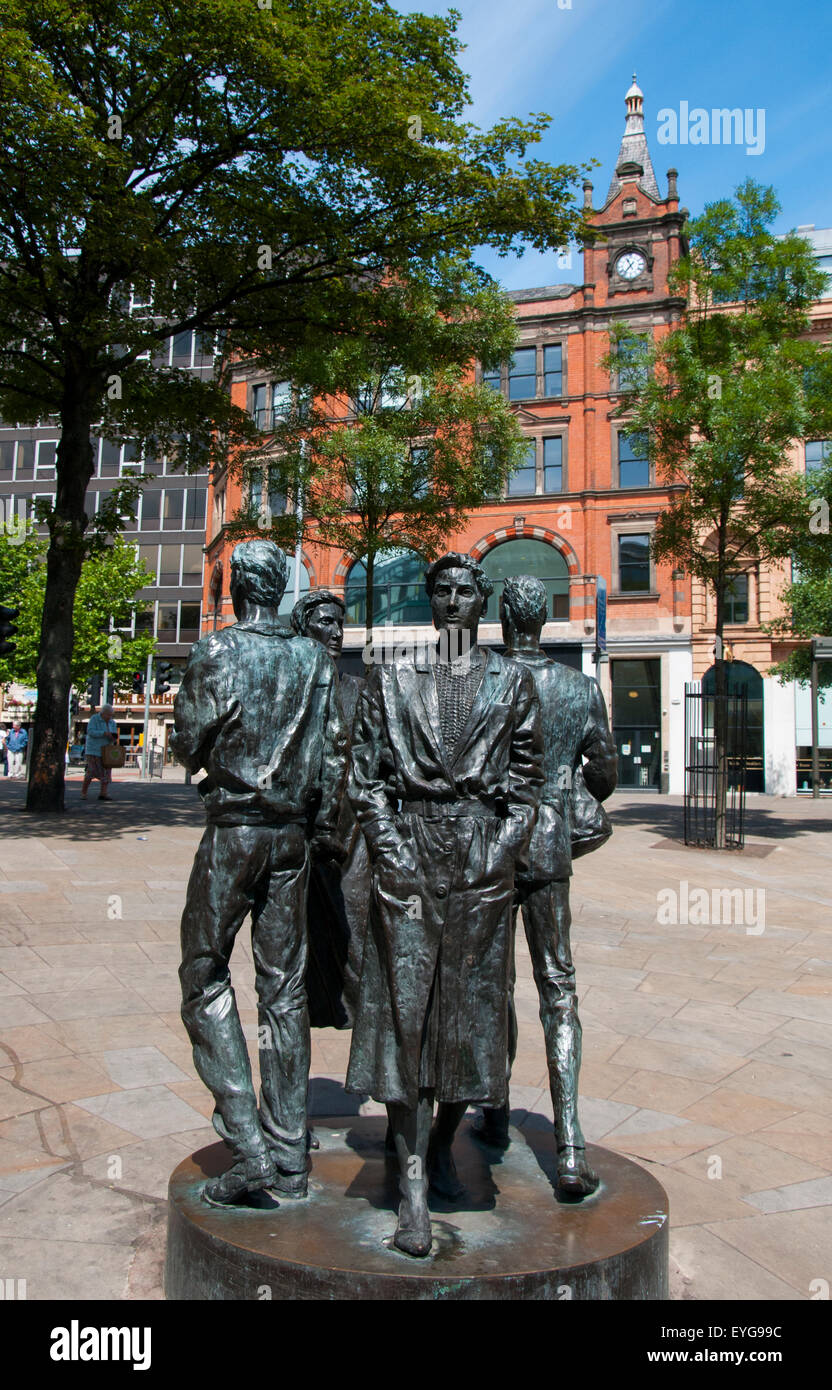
(584, 504)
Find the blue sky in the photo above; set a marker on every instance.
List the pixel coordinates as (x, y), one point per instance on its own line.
(576, 64)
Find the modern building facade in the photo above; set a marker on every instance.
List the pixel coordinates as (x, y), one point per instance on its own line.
(169, 529)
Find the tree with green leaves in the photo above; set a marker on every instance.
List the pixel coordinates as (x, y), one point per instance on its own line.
(377, 456)
(265, 177)
(105, 601)
(722, 398)
(809, 605)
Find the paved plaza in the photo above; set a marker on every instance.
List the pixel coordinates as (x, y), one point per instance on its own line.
(707, 1038)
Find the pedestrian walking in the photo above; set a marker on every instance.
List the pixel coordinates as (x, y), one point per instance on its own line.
(16, 743)
(4, 757)
(101, 730)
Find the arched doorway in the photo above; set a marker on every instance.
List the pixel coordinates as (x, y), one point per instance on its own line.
(529, 557)
(739, 676)
(399, 597)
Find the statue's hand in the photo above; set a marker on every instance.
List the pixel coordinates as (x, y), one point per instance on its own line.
(327, 848)
(391, 850)
(513, 836)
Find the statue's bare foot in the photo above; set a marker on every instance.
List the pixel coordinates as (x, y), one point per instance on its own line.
(491, 1127)
(442, 1174)
(575, 1177)
(247, 1175)
(413, 1233)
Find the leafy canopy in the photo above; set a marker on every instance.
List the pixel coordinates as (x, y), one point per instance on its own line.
(270, 177)
(110, 581)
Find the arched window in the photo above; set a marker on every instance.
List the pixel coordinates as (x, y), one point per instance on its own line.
(399, 596)
(530, 557)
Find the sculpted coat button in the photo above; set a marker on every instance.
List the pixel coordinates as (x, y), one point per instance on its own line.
(441, 891)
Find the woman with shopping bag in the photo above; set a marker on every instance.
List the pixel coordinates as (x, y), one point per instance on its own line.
(103, 752)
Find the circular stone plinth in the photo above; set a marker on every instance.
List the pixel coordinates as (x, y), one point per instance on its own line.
(508, 1238)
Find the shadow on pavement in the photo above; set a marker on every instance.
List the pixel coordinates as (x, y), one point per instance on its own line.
(778, 820)
(136, 807)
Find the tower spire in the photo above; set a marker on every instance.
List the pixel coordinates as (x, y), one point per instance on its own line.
(634, 162)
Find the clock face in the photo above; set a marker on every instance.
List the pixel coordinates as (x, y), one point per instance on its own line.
(631, 264)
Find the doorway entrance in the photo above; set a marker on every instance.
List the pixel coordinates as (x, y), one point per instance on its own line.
(637, 722)
(739, 677)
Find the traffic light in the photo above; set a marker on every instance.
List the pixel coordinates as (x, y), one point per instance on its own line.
(73, 705)
(7, 630)
(138, 682)
(92, 691)
(163, 671)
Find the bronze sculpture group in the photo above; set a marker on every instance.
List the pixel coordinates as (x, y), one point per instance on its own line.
(383, 835)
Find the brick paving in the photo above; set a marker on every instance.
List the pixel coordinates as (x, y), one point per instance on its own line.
(707, 1044)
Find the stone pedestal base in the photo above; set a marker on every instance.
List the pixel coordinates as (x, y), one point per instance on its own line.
(508, 1238)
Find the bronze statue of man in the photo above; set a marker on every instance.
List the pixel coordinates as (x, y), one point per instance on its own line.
(579, 749)
(446, 777)
(258, 710)
(339, 887)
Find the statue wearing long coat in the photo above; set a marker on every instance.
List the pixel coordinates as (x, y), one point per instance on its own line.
(444, 836)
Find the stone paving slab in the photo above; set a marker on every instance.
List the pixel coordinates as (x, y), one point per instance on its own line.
(707, 1049)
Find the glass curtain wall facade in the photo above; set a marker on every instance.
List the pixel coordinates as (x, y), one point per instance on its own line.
(169, 527)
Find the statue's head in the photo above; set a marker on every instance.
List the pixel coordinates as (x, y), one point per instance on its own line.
(523, 606)
(259, 570)
(320, 615)
(458, 589)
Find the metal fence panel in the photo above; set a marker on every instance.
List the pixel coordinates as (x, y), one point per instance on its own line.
(701, 782)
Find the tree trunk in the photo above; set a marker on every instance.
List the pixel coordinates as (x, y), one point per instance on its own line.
(64, 561)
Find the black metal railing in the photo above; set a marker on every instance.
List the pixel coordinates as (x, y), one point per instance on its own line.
(715, 784)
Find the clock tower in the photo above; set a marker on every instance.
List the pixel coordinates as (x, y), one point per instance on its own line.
(641, 232)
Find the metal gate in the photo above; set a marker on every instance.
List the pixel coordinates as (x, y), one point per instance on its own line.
(709, 797)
